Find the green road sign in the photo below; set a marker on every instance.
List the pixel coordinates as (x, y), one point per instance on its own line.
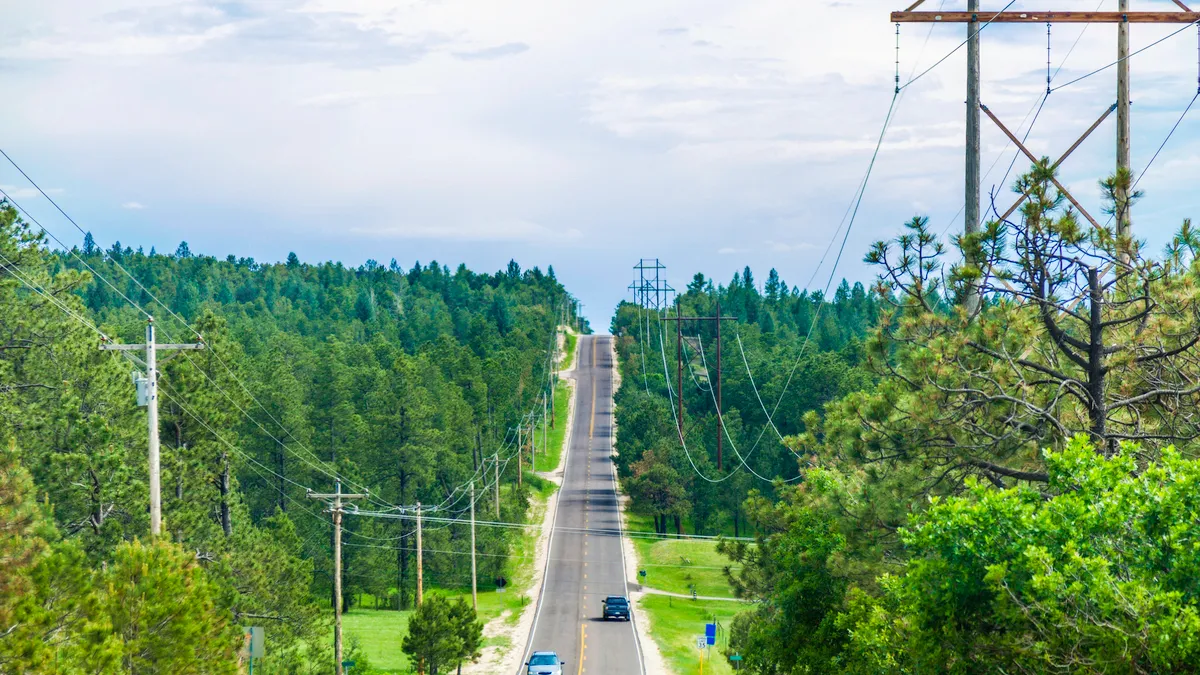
(347, 664)
(736, 657)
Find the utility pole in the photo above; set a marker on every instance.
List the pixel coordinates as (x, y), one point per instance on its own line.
(520, 448)
(545, 426)
(496, 467)
(971, 206)
(474, 591)
(679, 365)
(973, 17)
(720, 417)
(335, 507)
(1123, 114)
(679, 319)
(148, 396)
(420, 561)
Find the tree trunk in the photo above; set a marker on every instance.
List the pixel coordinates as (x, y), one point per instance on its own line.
(226, 517)
(678, 525)
(736, 532)
(282, 487)
(1097, 410)
(402, 552)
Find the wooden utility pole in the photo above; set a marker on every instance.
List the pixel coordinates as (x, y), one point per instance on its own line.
(520, 448)
(545, 426)
(148, 396)
(720, 418)
(474, 591)
(973, 18)
(1123, 114)
(334, 501)
(971, 207)
(496, 468)
(420, 561)
(679, 367)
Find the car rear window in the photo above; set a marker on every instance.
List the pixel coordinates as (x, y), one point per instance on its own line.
(617, 601)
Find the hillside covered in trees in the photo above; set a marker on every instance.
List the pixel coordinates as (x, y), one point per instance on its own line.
(403, 382)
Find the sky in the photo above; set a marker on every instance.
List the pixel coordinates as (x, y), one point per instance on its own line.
(709, 134)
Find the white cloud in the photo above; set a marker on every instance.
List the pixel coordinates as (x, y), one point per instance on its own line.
(27, 192)
(527, 128)
(784, 247)
(133, 206)
(500, 230)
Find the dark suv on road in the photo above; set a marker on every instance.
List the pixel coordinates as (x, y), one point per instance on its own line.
(616, 607)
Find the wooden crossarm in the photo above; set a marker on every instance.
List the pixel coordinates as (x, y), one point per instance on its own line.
(1045, 17)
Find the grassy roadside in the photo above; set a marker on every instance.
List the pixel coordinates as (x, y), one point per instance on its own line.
(549, 458)
(676, 565)
(380, 632)
(674, 625)
(569, 351)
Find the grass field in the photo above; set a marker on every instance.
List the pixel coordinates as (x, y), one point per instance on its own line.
(674, 565)
(548, 459)
(675, 623)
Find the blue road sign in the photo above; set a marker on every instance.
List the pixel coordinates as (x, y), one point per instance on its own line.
(710, 633)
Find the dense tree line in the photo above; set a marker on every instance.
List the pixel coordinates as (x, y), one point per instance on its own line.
(776, 328)
(1016, 490)
(402, 381)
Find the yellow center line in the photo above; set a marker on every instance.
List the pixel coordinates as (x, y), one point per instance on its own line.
(582, 644)
(592, 424)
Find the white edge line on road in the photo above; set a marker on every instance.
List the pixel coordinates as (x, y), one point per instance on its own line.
(612, 414)
(550, 541)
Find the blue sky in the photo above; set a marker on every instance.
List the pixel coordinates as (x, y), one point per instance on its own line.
(710, 134)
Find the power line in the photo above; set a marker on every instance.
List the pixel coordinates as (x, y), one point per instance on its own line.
(679, 423)
(955, 50)
(1118, 61)
(733, 445)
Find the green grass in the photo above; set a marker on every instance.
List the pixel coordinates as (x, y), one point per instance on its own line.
(674, 565)
(675, 623)
(547, 460)
(569, 351)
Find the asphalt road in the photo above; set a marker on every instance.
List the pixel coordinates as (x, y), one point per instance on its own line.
(584, 567)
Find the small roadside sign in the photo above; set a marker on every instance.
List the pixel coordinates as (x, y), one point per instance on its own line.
(701, 642)
(252, 642)
(736, 657)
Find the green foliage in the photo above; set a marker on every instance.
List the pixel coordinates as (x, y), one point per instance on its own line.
(403, 381)
(442, 634)
(165, 612)
(1009, 496)
(775, 329)
(1099, 578)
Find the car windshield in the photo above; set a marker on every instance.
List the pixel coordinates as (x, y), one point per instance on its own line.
(544, 660)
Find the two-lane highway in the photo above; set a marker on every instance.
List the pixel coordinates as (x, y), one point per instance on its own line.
(585, 562)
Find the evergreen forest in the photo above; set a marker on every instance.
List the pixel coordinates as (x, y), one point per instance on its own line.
(407, 383)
